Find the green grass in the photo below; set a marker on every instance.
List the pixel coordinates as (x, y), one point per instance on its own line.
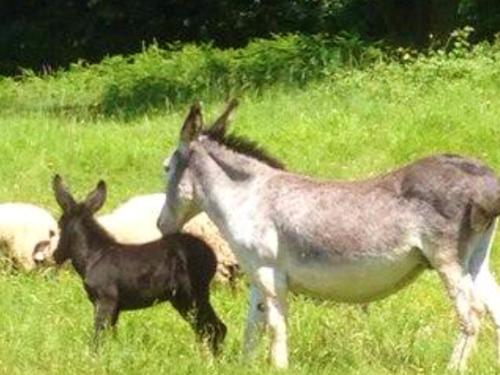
(351, 125)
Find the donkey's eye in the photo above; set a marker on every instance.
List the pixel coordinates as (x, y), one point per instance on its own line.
(168, 161)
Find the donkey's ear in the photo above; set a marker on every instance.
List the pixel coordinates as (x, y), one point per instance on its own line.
(220, 125)
(192, 125)
(95, 200)
(63, 197)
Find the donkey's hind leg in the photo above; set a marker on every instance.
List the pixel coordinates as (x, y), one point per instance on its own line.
(484, 281)
(489, 292)
(468, 306)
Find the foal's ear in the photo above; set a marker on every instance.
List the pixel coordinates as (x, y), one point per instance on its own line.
(220, 125)
(96, 198)
(63, 197)
(192, 125)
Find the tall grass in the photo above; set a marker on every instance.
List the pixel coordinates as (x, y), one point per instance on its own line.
(350, 124)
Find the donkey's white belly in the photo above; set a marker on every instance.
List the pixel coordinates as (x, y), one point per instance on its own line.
(365, 278)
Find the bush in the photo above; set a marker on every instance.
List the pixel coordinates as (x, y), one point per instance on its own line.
(159, 79)
(156, 77)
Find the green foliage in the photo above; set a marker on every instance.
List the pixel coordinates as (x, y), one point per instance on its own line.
(156, 78)
(45, 36)
(483, 15)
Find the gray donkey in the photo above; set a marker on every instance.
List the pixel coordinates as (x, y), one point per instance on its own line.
(350, 241)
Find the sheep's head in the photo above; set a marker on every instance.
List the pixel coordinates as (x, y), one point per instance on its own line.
(74, 213)
(43, 251)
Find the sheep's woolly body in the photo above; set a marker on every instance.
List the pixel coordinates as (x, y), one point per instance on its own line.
(135, 222)
(23, 227)
(202, 227)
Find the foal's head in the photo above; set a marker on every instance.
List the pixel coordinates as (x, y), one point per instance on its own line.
(74, 216)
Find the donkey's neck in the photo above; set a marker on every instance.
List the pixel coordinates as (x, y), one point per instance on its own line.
(89, 241)
(236, 165)
(226, 181)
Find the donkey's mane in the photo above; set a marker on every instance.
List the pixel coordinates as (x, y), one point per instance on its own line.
(244, 146)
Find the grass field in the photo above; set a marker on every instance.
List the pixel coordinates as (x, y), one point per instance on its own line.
(354, 125)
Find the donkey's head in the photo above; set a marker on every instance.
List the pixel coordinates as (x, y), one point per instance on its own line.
(73, 216)
(182, 202)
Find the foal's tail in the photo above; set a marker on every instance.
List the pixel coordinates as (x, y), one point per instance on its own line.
(180, 281)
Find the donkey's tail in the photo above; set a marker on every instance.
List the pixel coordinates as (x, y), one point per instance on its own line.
(496, 206)
(483, 213)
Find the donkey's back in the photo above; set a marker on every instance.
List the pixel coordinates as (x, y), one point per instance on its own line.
(454, 186)
(430, 194)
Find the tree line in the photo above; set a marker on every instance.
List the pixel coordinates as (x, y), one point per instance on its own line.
(47, 34)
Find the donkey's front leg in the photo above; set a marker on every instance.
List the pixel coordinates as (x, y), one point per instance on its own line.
(255, 321)
(273, 285)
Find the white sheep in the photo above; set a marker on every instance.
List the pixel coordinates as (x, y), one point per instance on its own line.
(135, 222)
(28, 234)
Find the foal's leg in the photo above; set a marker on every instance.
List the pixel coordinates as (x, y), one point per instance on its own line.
(468, 306)
(273, 285)
(199, 313)
(484, 281)
(105, 315)
(208, 326)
